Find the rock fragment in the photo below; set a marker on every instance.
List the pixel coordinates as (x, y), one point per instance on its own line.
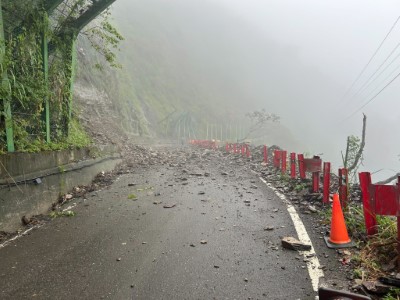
(294, 244)
(376, 287)
(169, 205)
(312, 209)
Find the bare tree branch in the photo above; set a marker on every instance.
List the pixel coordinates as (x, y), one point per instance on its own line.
(390, 179)
(346, 157)
(260, 117)
(361, 149)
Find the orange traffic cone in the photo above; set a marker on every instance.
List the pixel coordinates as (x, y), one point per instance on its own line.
(339, 238)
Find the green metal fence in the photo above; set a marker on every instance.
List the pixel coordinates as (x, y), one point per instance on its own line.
(55, 117)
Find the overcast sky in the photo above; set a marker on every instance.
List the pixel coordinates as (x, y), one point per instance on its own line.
(333, 40)
(339, 37)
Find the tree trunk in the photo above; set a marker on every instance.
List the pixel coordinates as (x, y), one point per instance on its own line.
(361, 149)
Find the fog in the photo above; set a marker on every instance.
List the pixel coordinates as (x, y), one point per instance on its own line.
(339, 38)
(294, 58)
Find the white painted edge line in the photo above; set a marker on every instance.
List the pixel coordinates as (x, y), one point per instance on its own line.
(28, 230)
(314, 268)
(17, 236)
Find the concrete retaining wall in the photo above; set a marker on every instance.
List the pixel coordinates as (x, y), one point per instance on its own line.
(58, 171)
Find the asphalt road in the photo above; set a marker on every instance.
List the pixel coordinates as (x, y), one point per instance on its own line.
(210, 245)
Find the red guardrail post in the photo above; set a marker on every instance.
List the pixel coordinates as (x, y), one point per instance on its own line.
(283, 158)
(302, 170)
(265, 152)
(369, 211)
(380, 199)
(327, 179)
(398, 227)
(277, 159)
(243, 149)
(248, 151)
(315, 179)
(315, 182)
(343, 179)
(293, 165)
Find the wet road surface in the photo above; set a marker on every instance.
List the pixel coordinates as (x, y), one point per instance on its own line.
(123, 243)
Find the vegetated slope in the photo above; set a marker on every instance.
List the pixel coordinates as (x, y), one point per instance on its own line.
(192, 61)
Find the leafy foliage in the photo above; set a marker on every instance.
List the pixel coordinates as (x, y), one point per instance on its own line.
(27, 88)
(105, 38)
(261, 117)
(57, 214)
(353, 157)
(353, 148)
(394, 294)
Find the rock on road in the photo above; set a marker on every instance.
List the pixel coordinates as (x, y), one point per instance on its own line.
(197, 226)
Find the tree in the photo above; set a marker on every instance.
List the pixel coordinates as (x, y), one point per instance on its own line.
(353, 157)
(39, 60)
(102, 35)
(259, 119)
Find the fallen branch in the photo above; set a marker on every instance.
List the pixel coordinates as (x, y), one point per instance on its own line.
(390, 179)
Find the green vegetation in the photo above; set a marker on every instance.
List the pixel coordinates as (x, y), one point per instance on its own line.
(105, 39)
(380, 250)
(373, 252)
(357, 273)
(57, 214)
(394, 294)
(353, 156)
(355, 220)
(39, 63)
(132, 197)
(299, 187)
(353, 147)
(77, 138)
(61, 169)
(284, 177)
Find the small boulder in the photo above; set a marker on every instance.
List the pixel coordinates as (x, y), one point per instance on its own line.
(294, 244)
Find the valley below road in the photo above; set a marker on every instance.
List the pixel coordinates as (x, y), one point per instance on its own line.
(181, 223)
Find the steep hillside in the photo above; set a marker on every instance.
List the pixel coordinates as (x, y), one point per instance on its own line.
(189, 63)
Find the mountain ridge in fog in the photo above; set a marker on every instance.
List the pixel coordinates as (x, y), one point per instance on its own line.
(197, 56)
(198, 59)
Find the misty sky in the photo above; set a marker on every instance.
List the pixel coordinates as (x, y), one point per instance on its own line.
(339, 37)
(329, 42)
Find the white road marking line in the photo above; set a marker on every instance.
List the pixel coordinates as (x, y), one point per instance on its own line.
(314, 268)
(17, 236)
